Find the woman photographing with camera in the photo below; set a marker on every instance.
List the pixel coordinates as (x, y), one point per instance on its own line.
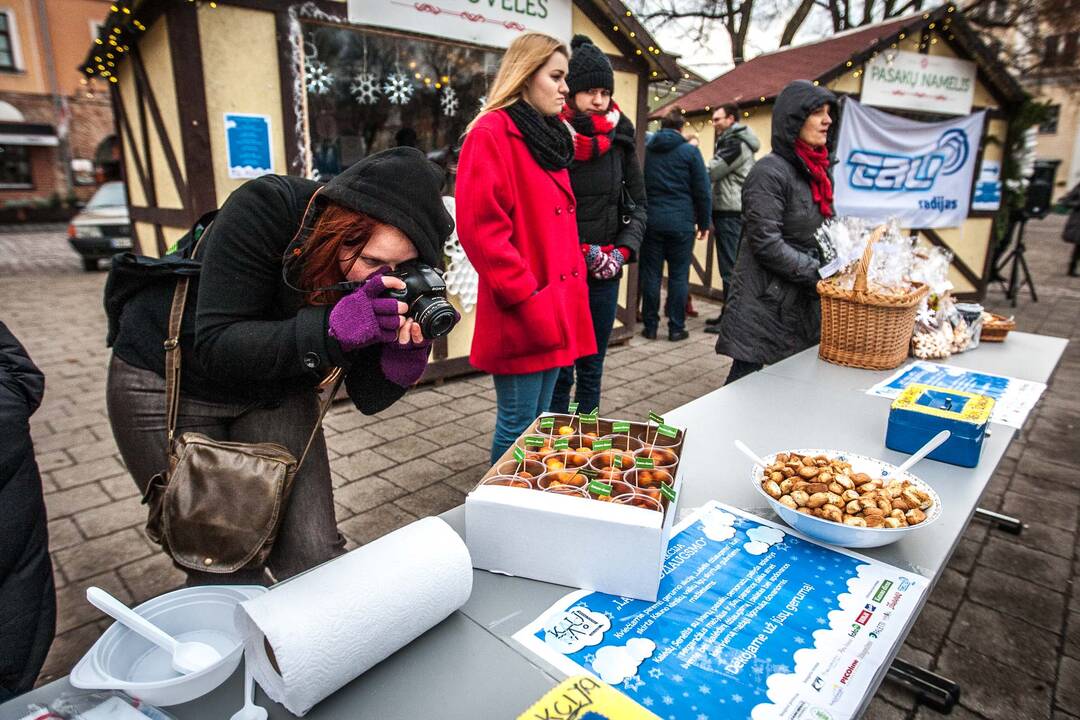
(517, 222)
(294, 283)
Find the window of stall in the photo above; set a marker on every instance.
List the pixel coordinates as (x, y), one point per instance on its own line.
(368, 91)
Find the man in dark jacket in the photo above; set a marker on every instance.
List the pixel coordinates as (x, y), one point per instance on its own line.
(680, 204)
(27, 594)
(773, 309)
(731, 163)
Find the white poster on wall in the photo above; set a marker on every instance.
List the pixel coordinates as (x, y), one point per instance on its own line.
(906, 80)
(917, 172)
(485, 22)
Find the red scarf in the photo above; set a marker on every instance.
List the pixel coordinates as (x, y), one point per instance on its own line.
(817, 162)
(592, 134)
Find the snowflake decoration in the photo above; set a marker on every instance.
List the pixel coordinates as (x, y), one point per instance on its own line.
(677, 678)
(647, 702)
(365, 88)
(449, 101)
(609, 615)
(318, 76)
(667, 700)
(736, 698)
(589, 658)
(633, 683)
(397, 88)
(704, 689)
(656, 673)
(799, 640)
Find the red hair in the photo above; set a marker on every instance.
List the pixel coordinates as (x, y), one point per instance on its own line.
(338, 227)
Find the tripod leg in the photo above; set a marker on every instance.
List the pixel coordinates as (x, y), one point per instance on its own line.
(1013, 290)
(1030, 280)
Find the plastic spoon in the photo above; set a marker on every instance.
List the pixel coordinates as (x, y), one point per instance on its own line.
(925, 450)
(187, 657)
(754, 456)
(250, 711)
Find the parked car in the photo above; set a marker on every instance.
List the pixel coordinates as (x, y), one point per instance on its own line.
(102, 228)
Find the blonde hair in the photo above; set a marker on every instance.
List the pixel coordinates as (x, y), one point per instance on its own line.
(527, 54)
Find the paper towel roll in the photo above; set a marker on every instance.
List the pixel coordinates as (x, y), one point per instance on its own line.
(328, 626)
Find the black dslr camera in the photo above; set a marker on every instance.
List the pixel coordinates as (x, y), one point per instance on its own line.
(425, 294)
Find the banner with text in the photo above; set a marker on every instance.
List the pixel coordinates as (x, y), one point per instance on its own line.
(752, 621)
(485, 22)
(917, 172)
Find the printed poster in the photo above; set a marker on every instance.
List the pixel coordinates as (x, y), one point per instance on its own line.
(917, 172)
(1013, 398)
(753, 621)
(988, 187)
(247, 142)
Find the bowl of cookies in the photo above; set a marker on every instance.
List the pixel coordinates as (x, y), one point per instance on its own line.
(845, 499)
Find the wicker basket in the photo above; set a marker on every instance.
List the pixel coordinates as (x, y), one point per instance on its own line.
(995, 328)
(864, 329)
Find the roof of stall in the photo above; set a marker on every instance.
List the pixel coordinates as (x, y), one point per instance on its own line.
(128, 19)
(760, 80)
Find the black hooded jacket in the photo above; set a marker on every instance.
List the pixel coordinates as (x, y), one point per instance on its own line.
(247, 334)
(597, 187)
(773, 310)
(27, 594)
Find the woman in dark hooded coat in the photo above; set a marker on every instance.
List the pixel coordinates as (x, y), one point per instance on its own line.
(27, 594)
(773, 310)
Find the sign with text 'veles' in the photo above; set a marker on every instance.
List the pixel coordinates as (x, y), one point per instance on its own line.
(911, 80)
(485, 22)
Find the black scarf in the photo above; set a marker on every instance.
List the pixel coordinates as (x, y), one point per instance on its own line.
(546, 137)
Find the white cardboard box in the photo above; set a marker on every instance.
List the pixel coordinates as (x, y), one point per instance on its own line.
(616, 549)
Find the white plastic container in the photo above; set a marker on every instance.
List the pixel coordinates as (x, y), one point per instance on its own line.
(847, 535)
(122, 660)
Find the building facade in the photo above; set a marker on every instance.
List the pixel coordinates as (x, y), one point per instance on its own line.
(52, 125)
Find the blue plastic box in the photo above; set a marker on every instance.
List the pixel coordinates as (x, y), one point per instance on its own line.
(922, 411)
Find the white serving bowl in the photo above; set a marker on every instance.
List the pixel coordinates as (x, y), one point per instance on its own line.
(123, 660)
(838, 533)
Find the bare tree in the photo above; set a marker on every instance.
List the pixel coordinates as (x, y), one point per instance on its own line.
(734, 15)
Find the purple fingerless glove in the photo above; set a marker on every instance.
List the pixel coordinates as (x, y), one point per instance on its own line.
(363, 318)
(404, 364)
(610, 265)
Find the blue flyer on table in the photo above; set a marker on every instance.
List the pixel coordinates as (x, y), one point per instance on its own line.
(752, 621)
(1013, 398)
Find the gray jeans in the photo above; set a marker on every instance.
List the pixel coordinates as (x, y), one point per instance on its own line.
(308, 535)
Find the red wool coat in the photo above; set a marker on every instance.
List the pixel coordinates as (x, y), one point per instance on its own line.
(516, 223)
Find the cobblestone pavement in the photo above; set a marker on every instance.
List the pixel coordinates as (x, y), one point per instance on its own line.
(1004, 621)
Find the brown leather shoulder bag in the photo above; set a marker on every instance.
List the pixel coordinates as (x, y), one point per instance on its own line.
(219, 506)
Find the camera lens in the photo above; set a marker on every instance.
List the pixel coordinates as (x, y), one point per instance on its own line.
(435, 315)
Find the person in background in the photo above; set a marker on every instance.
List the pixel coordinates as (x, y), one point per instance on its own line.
(732, 160)
(1071, 234)
(27, 591)
(605, 166)
(517, 222)
(267, 320)
(773, 309)
(677, 187)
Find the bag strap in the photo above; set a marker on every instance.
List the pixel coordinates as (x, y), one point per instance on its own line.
(172, 365)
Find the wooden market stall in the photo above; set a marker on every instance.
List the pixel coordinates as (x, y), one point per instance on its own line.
(209, 94)
(840, 63)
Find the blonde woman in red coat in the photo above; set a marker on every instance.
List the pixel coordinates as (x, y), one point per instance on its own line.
(516, 221)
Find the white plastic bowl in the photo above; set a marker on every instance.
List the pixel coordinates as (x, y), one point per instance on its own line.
(122, 660)
(838, 533)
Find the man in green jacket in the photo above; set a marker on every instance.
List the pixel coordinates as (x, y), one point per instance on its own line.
(733, 157)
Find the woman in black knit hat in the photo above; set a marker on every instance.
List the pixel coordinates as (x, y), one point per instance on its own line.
(610, 192)
(268, 318)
